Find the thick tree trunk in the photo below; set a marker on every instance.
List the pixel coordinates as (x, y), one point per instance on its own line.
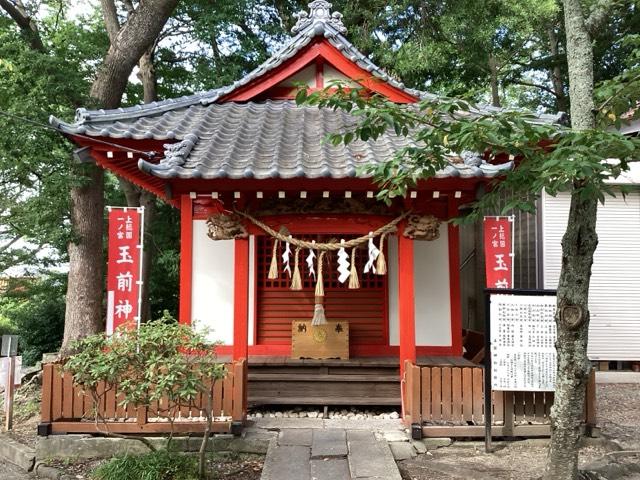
(84, 292)
(137, 197)
(578, 246)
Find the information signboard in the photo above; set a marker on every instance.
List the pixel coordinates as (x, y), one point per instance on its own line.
(523, 335)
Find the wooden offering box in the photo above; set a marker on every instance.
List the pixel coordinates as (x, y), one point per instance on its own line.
(320, 342)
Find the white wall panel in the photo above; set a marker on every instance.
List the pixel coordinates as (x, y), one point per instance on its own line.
(614, 299)
(431, 286)
(212, 284)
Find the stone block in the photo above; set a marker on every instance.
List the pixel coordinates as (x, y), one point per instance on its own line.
(17, 453)
(329, 443)
(330, 469)
(395, 436)
(402, 450)
(435, 442)
(419, 447)
(286, 462)
(367, 461)
(296, 436)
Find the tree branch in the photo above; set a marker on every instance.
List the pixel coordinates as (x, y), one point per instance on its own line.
(598, 15)
(111, 21)
(535, 85)
(26, 24)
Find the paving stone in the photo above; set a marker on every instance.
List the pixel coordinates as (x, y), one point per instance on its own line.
(286, 462)
(329, 443)
(372, 461)
(296, 436)
(395, 436)
(436, 442)
(360, 436)
(419, 446)
(330, 469)
(402, 450)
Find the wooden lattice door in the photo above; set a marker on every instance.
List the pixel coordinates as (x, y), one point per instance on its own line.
(366, 308)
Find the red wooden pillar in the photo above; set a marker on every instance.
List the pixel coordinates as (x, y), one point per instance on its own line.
(241, 299)
(186, 258)
(454, 280)
(406, 301)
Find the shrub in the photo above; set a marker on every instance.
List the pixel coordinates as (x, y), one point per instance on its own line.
(159, 360)
(158, 465)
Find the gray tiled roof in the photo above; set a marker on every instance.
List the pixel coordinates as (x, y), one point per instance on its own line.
(259, 140)
(272, 139)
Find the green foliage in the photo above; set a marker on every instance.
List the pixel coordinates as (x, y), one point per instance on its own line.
(548, 156)
(159, 465)
(161, 359)
(34, 310)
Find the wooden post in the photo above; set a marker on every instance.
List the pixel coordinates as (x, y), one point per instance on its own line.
(9, 390)
(591, 416)
(406, 302)
(186, 258)
(241, 300)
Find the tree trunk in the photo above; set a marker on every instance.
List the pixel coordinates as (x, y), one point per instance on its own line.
(493, 79)
(556, 71)
(137, 197)
(84, 292)
(84, 295)
(578, 246)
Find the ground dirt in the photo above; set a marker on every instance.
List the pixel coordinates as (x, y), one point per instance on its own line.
(618, 417)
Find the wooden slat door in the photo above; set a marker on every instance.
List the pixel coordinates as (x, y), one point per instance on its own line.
(366, 308)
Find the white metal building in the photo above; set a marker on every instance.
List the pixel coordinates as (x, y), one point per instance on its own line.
(614, 301)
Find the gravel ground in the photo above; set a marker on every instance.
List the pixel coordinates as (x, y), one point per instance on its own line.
(618, 416)
(619, 413)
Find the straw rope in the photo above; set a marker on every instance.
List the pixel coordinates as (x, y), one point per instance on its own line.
(326, 247)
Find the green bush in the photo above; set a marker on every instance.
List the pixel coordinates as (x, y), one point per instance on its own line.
(160, 465)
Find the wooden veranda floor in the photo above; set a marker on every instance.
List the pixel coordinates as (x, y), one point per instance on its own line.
(280, 380)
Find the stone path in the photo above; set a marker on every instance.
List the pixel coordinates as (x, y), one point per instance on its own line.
(329, 454)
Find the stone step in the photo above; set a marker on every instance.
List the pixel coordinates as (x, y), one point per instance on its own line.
(329, 454)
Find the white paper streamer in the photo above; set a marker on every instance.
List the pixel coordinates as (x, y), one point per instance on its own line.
(311, 263)
(343, 264)
(285, 258)
(373, 255)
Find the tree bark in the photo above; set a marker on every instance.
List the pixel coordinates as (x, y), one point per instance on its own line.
(578, 246)
(136, 196)
(493, 80)
(84, 292)
(28, 26)
(556, 72)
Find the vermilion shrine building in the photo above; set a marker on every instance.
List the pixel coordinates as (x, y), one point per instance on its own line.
(249, 147)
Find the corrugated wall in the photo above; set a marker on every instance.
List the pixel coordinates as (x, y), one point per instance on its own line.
(472, 278)
(614, 300)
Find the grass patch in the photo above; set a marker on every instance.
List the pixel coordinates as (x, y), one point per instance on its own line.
(160, 465)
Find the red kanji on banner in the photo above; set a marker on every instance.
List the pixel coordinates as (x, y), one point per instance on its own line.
(498, 251)
(123, 267)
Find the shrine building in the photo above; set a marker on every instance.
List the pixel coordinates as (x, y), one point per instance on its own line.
(256, 183)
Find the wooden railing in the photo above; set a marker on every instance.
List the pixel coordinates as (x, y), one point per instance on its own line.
(449, 402)
(66, 408)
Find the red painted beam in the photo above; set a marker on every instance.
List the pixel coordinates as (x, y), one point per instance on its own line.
(241, 299)
(454, 280)
(186, 258)
(406, 300)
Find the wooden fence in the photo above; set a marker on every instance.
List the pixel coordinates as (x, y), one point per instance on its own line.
(449, 402)
(66, 408)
